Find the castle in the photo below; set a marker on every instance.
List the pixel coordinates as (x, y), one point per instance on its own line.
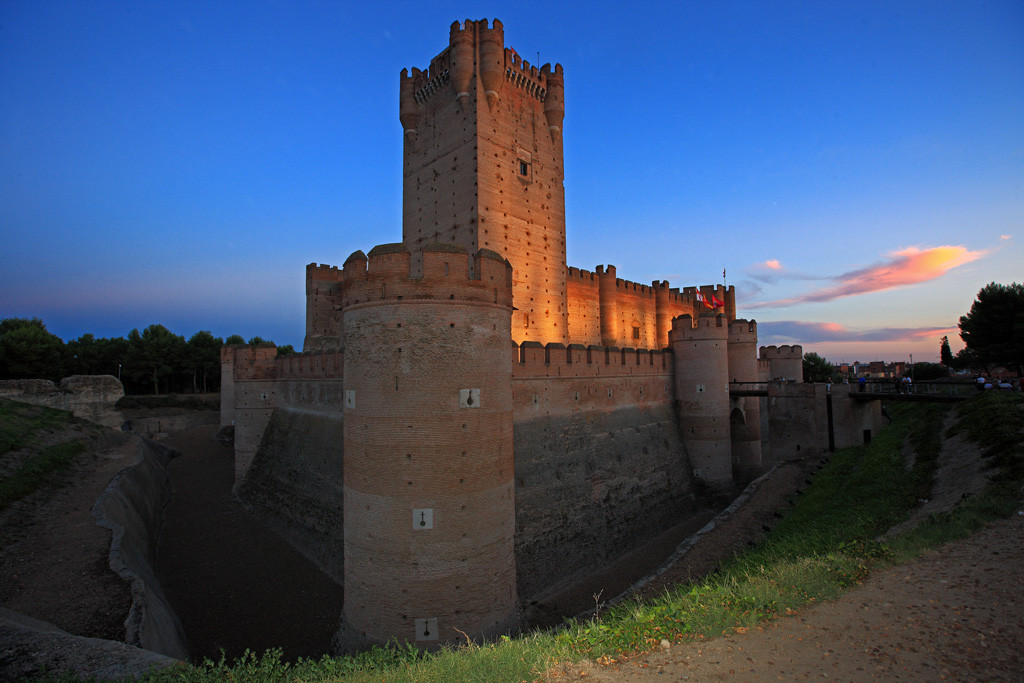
(471, 420)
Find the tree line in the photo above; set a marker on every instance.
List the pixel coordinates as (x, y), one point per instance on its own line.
(152, 361)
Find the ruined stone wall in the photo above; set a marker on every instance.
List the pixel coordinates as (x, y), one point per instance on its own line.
(90, 397)
(600, 466)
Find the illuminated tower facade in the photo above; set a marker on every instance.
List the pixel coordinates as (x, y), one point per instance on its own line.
(483, 167)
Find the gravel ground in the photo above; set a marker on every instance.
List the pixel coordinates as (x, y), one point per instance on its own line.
(54, 563)
(955, 614)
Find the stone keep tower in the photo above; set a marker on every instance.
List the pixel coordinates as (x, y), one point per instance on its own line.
(429, 491)
(483, 167)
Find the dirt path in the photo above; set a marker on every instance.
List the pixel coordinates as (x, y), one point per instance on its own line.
(954, 614)
(54, 563)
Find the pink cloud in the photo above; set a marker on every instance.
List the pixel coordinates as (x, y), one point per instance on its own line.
(773, 264)
(794, 331)
(907, 267)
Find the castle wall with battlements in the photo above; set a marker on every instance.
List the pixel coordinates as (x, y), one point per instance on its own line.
(600, 461)
(471, 419)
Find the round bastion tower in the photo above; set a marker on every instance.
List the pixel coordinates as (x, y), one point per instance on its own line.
(744, 411)
(428, 466)
(700, 352)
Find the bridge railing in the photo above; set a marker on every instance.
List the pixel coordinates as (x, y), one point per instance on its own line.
(892, 386)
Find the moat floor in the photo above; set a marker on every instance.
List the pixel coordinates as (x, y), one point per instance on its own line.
(234, 584)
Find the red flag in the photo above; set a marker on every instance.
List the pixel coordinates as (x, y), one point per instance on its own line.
(716, 301)
(700, 298)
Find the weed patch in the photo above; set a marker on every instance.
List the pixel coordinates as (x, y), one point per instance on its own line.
(37, 471)
(21, 422)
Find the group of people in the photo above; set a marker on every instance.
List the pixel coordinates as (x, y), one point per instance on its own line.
(984, 383)
(904, 385)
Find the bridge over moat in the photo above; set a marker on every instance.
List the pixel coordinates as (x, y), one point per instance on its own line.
(922, 392)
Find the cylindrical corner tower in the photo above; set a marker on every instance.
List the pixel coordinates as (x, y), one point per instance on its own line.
(699, 348)
(745, 411)
(785, 362)
(428, 466)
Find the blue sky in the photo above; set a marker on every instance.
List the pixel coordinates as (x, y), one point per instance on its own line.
(857, 168)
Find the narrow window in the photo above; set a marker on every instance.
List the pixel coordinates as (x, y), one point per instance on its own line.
(636, 332)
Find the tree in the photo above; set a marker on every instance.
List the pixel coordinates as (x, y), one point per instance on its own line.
(155, 354)
(29, 351)
(922, 372)
(286, 350)
(258, 340)
(965, 359)
(202, 358)
(994, 327)
(234, 339)
(945, 353)
(816, 368)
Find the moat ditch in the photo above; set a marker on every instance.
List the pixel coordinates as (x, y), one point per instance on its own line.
(236, 585)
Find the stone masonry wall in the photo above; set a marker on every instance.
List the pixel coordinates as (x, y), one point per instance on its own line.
(295, 484)
(599, 463)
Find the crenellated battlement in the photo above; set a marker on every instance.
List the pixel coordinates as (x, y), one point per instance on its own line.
(250, 362)
(439, 271)
(784, 362)
(527, 77)
(743, 331)
(315, 365)
(261, 362)
(533, 359)
(582, 275)
(426, 83)
(704, 326)
(786, 352)
(323, 271)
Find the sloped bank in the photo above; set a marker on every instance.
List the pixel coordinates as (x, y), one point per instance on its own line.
(131, 507)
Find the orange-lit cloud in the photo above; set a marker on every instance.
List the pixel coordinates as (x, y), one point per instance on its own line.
(1006, 237)
(794, 331)
(773, 264)
(907, 267)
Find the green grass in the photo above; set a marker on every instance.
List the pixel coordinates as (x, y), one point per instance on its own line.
(21, 427)
(21, 422)
(37, 471)
(823, 545)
